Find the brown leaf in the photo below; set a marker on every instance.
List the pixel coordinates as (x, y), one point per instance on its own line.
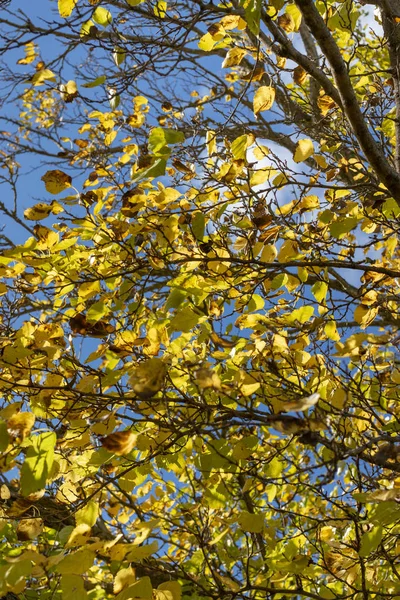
(299, 75)
(286, 22)
(29, 529)
(119, 442)
(260, 217)
(79, 324)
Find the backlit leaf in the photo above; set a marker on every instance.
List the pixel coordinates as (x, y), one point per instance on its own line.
(263, 98)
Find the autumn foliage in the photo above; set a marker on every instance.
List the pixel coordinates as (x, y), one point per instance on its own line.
(199, 300)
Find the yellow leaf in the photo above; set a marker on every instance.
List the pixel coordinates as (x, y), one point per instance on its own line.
(251, 522)
(174, 587)
(211, 142)
(331, 331)
(20, 424)
(110, 137)
(79, 535)
(308, 203)
(38, 212)
(140, 589)
(65, 7)
(43, 75)
(30, 54)
(262, 175)
(76, 563)
(87, 514)
(294, 12)
(233, 58)
(364, 315)
(288, 251)
(325, 104)
(299, 75)
(321, 161)
(369, 298)
(160, 9)
(102, 16)
(233, 22)
(286, 22)
(206, 42)
(269, 253)
(263, 98)
(304, 149)
(71, 87)
(56, 181)
(123, 578)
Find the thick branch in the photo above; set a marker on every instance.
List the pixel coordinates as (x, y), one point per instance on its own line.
(386, 173)
(391, 28)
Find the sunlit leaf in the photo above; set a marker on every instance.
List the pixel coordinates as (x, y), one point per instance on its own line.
(263, 99)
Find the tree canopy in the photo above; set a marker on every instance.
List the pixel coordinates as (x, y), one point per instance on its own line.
(199, 300)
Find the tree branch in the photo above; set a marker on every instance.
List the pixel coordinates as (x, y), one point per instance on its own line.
(386, 173)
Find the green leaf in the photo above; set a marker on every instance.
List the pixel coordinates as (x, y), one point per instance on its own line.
(160, 137)
(73, 587)
(279, 281)
(97, 311)
(370, 541)
(274, 469)
(338, 229)
(384, 513)
(38, 463)
(252, 14)
(155, 170)
(184, 320)
(4, 437)
(250, 522)
(391, 209)
(95, 82)
(175, 298)
(198, 225)
(76, 563)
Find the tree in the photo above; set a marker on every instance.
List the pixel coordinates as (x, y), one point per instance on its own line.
(199, 360)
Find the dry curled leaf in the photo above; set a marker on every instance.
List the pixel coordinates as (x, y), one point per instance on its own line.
(302, 403)
(79, 324)
(286, 22)
(29, 529)
(119, 442)
(299, 75)
(148, 378)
